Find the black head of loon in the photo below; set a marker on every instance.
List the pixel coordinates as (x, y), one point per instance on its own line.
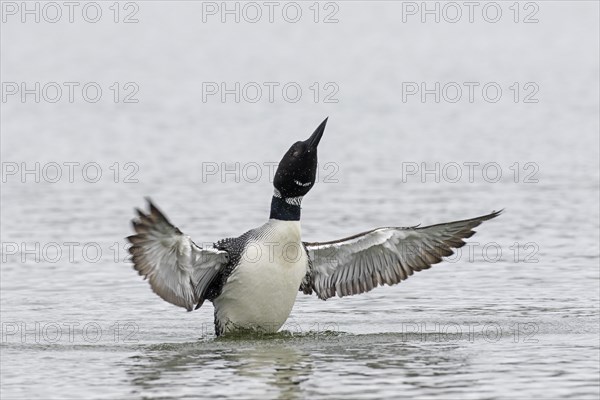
(297, 169)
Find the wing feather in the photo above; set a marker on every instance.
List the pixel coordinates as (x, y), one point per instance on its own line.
(178, 270)
(381, 256)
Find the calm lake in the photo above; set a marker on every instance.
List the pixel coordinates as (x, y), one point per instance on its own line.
(194, 103)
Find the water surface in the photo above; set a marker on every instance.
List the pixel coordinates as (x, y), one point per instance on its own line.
(78, 323)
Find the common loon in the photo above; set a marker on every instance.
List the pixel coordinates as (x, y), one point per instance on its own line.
(253, 280)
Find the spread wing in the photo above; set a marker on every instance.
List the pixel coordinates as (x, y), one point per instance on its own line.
(178, 270)
(382, 256)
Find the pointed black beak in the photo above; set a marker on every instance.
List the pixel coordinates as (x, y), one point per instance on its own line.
(315, 138)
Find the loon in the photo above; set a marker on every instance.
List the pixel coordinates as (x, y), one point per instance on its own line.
(253, 280)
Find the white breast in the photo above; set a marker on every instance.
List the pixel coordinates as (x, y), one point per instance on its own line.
(261, 291)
